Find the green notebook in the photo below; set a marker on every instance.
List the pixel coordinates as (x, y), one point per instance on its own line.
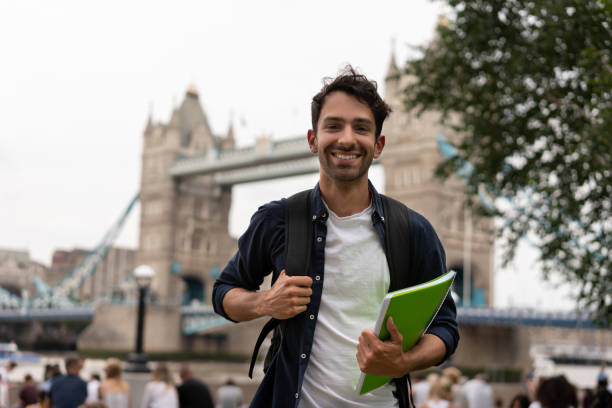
(412, 310)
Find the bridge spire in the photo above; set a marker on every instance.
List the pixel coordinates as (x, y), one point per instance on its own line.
(149, 124)
(393, 71)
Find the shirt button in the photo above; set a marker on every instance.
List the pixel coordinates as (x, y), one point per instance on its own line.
(382, 218)
(324, 215)
(311, 317)
(296, 395)
(314, 217)
(303, 355)
(317, 277)
(319, 239)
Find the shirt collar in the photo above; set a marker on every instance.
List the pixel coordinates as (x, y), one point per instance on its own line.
(319, 210)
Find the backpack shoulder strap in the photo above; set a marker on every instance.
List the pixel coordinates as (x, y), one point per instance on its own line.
(398, 233)
(298, 244)
(298, 233)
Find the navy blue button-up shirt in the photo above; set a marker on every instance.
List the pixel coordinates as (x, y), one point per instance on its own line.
(261, 251)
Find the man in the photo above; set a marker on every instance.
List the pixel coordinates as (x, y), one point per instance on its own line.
(5, 384)
(603, 397)
(70, 390)
(229, 395)
(347, 276)
(192, 393)
(479, 394)
(29, 392)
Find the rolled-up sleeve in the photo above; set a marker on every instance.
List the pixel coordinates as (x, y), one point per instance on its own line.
(259, 253)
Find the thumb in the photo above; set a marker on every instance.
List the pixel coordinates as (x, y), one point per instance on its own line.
(396, 336)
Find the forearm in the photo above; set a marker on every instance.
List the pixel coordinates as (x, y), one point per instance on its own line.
(429, 351)
(242, 305)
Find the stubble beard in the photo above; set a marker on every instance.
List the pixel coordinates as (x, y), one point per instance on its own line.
(336, 173)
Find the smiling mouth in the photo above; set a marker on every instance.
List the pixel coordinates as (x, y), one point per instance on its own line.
(344, 156)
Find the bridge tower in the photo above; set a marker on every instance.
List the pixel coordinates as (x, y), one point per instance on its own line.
(410, 158)
(184, 223)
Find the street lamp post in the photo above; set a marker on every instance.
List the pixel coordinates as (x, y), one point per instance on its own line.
(137, 361)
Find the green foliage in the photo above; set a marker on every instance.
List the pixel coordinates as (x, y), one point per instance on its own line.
(529, 86)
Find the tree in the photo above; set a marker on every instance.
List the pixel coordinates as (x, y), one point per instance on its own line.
(528, 86)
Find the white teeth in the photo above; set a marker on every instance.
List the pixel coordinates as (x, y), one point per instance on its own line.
(346, 156)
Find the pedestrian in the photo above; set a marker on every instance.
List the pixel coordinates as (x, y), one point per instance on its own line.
(229, 395)
(555, 392)
(520, 401)
(52, 371)
(114, 391)
(70, 390)
(479, 394)
(160, 391)
(193, 393)
(29, 392)
(420, 388)
(459, 398)
(440, 394)
(340, 289)
(93, 388)
(603, 397)
(5, 383)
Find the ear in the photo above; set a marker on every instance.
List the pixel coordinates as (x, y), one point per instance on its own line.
(312, 141)
(379, 146)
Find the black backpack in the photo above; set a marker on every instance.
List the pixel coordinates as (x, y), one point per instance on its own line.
(298, 245)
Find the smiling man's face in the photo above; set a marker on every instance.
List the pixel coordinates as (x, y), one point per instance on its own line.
(345, 140)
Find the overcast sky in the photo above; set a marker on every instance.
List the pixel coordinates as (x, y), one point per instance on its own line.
(78, 80)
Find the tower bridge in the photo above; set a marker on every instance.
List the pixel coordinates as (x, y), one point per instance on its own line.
(186, 192)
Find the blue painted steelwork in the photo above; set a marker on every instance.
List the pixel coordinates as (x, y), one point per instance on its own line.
(524, 317)
(58, 295)
(8, 300)
(449, 151)
(197, 319)
(29, 315)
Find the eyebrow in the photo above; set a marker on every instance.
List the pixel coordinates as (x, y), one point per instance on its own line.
(339, 119)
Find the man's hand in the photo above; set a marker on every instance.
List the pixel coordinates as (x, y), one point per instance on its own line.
(383, 358)
(288, 297)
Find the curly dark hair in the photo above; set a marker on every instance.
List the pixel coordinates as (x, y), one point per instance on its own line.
(355, 84)
(557, 392)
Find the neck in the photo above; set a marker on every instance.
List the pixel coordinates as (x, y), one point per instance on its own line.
(345, 199)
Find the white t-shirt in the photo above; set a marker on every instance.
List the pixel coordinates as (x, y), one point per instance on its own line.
(93, 391)
(478, 393)
(158, 394)
(356, 279)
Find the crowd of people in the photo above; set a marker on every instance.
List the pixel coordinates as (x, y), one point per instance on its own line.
(445, 389)
(449, 389)
(69, 390)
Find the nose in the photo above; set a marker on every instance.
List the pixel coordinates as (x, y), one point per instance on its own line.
(346, 137)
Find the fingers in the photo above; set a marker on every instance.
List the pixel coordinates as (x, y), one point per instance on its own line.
(305, 281)
(394, 332)
(364, 349)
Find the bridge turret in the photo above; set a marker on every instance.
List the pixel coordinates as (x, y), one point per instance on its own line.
(183, 227)
(410, 158)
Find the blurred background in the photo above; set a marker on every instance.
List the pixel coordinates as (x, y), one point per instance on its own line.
(202, 107)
